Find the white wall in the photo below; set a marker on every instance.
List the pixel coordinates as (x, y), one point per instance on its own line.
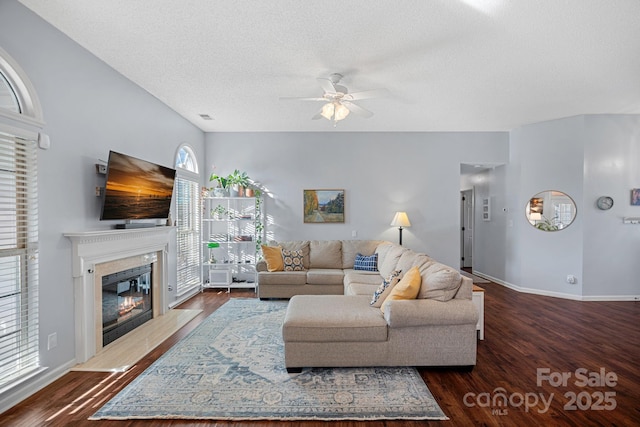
(89, 109)
(490, 236)
(380, 172)
(551, 158)
(585, 157)
(611, 248)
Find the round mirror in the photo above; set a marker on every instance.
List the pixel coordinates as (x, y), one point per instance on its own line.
(550, 211)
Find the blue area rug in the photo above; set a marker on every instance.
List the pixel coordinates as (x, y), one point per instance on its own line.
(231, 367)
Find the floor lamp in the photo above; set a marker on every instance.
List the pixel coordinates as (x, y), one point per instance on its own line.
(400, 220)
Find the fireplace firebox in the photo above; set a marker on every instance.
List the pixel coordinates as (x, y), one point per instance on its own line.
(126, 301)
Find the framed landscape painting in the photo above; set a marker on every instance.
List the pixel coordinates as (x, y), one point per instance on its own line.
(323, 206)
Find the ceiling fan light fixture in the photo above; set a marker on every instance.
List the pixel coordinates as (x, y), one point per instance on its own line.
(341, 112)
(328, 110)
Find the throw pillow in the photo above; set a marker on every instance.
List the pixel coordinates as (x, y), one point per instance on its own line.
(366, 262)
(292, 260)
(407, 288)
(439, 282)
(273, 257)
(385, 288)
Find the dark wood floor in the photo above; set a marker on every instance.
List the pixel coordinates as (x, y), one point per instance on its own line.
(524, 333)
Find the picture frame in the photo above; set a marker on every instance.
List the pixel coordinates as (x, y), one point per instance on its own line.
(486, 209)
(323, 206)
(635, 197)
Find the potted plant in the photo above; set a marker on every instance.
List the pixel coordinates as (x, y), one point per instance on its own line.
(238, 181)
(222, 183)
(218, 212)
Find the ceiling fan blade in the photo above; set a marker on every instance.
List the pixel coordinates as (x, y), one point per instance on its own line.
(366, 94)
(327, 85)
(356, 109)
(293, 98)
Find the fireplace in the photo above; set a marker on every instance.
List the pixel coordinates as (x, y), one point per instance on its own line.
(126, 301)
(107, 253)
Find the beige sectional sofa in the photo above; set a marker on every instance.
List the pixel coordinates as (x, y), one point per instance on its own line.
(330, 320)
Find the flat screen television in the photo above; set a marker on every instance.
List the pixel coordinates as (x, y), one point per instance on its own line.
(136, 189)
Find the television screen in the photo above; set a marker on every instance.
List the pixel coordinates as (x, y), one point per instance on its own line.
(136, 189)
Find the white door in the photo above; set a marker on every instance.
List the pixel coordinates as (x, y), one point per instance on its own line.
(466, 228)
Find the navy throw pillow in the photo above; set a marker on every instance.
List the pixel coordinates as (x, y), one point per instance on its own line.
(366, 262)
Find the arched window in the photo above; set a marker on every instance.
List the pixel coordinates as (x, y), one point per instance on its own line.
(8, 98)
(187, 220)
(18, 99)
(19, 329)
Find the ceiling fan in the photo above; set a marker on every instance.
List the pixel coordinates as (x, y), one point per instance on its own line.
(338, 101)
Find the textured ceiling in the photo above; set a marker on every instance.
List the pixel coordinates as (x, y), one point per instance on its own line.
(468, 65)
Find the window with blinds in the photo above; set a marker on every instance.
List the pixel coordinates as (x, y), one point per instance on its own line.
(187, 221)
(19, 352)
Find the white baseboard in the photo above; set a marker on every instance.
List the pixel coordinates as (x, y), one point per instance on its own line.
(558, 294)
(22, 391)
(611, 298)
(182, 298)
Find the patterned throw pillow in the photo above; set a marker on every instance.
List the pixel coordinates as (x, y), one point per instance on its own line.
(292, 260)
(385, 288)
(366, 262)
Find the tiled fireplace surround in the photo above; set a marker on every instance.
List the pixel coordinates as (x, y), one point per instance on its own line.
(96, 253)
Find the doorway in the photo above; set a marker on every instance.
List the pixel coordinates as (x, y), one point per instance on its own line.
(466, 229)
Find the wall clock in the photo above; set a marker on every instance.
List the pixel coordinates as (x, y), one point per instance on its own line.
(604, 203)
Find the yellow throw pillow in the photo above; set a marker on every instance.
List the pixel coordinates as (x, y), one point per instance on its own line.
(273, 257)
(407, 288)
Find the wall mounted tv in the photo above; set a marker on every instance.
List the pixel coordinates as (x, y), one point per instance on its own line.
(136, 189)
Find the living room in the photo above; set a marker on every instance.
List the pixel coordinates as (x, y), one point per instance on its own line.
(89, 108)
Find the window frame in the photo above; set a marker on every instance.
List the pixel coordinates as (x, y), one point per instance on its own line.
(188, 265)
(24, 126)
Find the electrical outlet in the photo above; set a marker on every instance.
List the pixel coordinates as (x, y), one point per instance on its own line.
(98, 191)
(571, 279)
(52, 341)
(354, 233)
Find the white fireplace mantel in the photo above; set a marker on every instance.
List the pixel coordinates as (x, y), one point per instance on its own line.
(91, 248)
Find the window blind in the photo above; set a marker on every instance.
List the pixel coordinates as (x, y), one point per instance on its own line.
(188, 233)
(19, 351)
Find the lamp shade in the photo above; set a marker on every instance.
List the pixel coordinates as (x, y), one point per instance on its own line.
(401, 220)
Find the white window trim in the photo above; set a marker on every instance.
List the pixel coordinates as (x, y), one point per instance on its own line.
(194, 177)
(29, 102)
(24, 125)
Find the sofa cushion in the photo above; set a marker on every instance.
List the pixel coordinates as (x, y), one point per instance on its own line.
(385, 288)
(333, 318)
(366, 262)
(439, 282)
(356, 288)
(407, 288)
(410, 259)
(359, 276)
(382, 250)
(273, 257)
(295, 245)
(282, 278)
(325, 254)
(352, 247)
(388, 262)
(293, 260)
(324, 276)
